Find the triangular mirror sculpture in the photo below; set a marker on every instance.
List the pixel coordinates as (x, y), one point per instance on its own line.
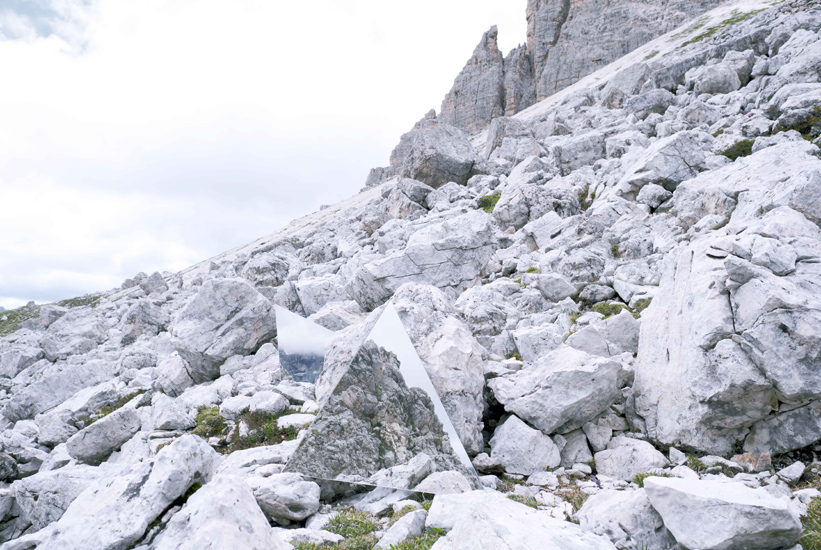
(302, 345)
(384, 424)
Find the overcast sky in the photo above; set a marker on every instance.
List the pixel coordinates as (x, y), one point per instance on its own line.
(151, 135)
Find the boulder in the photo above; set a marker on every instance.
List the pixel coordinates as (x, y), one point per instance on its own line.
(94, 520)
(727, 515)
(489, 520)
(625, 458)
(169, 415)
(721, 78)
(95, 443)
(523, 450)
(285, 497)
(154, 284)
(409, 525)
(443, 483)
(434, 153)
(627, 519)
(563, 390)
(173, 376)
(226, 317)
(222, 514)
(610, 337)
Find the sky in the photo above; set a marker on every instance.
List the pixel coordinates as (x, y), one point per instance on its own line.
(151, 135)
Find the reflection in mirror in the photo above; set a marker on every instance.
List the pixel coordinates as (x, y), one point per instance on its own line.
(383, 424)
(302, 345)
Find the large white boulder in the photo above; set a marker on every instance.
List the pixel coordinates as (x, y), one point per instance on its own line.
(627, 519)
(94, 521)
(523, 450)
(286, 497)
(714, 515)
(625, 458)
(563, 390)
(222, 514)
(95, 443)
(226, 317)
(489, 521)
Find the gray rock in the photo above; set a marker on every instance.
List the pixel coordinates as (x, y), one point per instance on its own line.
(94, 520)
(155, 284)
(652, 101)
(269, 402)
(653, 195)
(226, 317)
(728, 515)
(563, 390)
(310, 535)
(443, 483)
(94, 444)
(173, 376)
(575, 449)
(286, 497)
(434, 153)
(223, 514)
(410, 525)
(717, 79)
(627, 519)
(625, 458)
(787, 431)
(608, 338)
(8, 467)
(169, 415)
(478, 94)
(489, 520)
(523, 450)
(793, 473)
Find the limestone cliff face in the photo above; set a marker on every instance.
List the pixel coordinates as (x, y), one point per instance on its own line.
(478, 95)
(566, 41)
(569, 39)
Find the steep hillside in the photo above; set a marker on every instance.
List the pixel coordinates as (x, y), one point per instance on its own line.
(616, 294)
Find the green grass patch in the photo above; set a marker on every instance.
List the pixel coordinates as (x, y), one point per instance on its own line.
(91, 300)
(698, 24)
(737, 16)
(639, 479)
(262, 430)
(651, 55)
(809, 127)
(108, 409)
(695, 464)
(533, 270)
(350, 522)
(488, 202)
(614, 250)
(586, 198)
(640, 306)
(209, 422)
(743, 148)
(422, 542)
(14, 318)
(609, 310)
(399, 514)
(527, 501)
(812, 527)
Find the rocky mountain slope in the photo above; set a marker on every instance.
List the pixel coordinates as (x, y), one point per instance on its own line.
(615, 293)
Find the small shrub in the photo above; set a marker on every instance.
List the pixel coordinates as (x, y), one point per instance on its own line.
(209, 422)
(521, 499)
(639, 479)
(421, 542)
(426, 504)
(718, 132)
(533, 270)
(262, 430)
(488, 202)
(575, 496)
(812, 527)
(366, 542)
(586, 198)
(640, 306)
(609, 310)
(614, 250)
(695, 464)
(350, 522)
(743, 148)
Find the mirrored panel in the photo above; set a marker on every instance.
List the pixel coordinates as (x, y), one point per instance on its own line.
(302, 345)
(384, 423)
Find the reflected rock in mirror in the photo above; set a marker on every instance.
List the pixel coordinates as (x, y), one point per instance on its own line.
(384, 424)
(302, 345)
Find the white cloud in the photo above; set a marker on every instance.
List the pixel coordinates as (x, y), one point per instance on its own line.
(183, 128)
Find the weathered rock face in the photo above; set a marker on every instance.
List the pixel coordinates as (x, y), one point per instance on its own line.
(729, 515)
(478, 95)
(570, 39)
